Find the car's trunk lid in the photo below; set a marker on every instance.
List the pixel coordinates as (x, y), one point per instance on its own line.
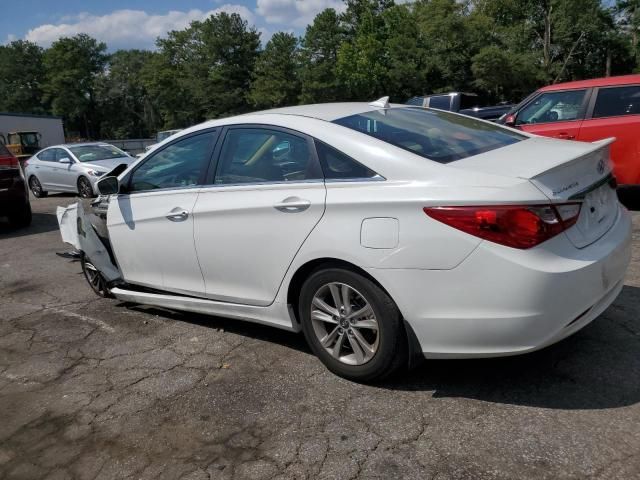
(564, 171)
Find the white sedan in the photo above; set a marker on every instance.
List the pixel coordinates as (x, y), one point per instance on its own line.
(380, 231)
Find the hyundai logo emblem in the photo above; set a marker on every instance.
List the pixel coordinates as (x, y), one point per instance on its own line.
(600, 166)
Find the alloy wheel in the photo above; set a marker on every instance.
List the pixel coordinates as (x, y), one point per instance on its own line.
(344, 323)
(95, 279)
(84, 188)
(36, 188)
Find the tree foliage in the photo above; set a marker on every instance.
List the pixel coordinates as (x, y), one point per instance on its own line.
(503, 49)
(276, 82)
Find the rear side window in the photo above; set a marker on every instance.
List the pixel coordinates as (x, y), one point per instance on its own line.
(3, 151)
(260, 155)
(339, 166)
(48, 155)
(440, 136)
(613, 102)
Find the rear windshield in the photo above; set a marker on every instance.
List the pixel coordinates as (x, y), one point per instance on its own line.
(93, 153)
(436, 135)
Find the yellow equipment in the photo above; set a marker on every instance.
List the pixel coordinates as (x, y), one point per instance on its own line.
(23, 144)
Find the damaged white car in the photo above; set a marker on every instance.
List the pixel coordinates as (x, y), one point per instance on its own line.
(381, 231)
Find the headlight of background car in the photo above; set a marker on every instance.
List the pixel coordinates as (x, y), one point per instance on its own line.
(94, 173)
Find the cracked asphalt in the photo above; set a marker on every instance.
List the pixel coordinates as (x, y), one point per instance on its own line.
(95, 388)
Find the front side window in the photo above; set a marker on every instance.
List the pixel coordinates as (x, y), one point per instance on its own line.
(553, 107)
(440, 136)
(260, 155)
(95, 153)
(180, 164)
(60, 154)
(613, 102)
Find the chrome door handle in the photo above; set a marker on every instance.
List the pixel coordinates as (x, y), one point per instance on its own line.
(178, 215)
(292, 205)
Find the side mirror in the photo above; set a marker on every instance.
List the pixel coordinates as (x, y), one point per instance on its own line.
(510, 120)
(108, 186)
(65, 160)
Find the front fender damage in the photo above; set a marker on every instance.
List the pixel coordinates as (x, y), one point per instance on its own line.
(84, 226)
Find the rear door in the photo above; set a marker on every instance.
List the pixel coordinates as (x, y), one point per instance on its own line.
(266, 196)
(554, 114)
(44, 167)
(615, 112)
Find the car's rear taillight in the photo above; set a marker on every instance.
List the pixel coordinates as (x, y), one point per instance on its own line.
(9, 162)
(517, 226)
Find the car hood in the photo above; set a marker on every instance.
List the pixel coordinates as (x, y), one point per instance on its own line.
(108, 165)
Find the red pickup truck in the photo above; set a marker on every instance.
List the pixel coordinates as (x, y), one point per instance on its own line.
(589, 110)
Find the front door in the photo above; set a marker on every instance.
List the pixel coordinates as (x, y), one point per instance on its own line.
(151, 224)
(266, 196)
(554, 114)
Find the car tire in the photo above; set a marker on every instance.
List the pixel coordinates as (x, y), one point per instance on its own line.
(376, 329)
(85, 190)
(21, 217)
(36, 187)
(94, 278)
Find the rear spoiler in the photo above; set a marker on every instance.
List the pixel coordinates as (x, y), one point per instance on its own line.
(604, 141)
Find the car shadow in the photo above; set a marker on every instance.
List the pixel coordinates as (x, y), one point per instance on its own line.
(249, 329)
(597, 368)
(41, 223)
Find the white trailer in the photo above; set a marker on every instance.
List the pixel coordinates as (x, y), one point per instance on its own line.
(48, 126)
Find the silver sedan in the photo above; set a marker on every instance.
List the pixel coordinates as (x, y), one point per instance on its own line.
(72, 167)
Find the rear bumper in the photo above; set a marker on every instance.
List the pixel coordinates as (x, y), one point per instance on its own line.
(502, 301)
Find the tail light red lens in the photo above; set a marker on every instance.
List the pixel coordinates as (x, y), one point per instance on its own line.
(9, 162)
(517, 226)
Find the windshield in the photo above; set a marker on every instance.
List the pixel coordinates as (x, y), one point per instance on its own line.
(436, 135)
(93, 153)
(29, 139)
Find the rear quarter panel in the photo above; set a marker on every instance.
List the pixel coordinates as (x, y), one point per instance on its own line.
(625, 151)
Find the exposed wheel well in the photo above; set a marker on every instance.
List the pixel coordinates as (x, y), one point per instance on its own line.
(295, 285)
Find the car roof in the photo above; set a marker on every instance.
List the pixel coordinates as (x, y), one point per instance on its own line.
(594, 82)
(327, 111)
(79, 144)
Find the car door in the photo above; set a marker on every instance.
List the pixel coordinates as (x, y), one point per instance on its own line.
(266, 196)
(554, 114)
(615, 112)
(150, 223)
(44, 167)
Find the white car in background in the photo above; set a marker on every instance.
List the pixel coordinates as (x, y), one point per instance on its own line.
(73, 167)
(378, 230)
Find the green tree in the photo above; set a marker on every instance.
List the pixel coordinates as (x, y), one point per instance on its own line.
(212, 61)
(22, 77)
(275, 79)
(72, 66)
(318, 56)
(125, 105)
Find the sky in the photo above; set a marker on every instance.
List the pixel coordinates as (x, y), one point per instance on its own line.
(137, 23)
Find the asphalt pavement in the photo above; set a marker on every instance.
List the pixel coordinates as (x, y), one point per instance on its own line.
(95, 388)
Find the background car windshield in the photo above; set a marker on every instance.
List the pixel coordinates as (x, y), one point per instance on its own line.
(436, 135)
(93, 153)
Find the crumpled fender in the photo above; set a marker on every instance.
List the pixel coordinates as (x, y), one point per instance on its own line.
(77, 228)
